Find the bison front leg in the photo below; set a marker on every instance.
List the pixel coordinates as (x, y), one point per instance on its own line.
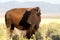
(30, 31)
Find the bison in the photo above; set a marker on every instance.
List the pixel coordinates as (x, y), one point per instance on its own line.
(23, 19)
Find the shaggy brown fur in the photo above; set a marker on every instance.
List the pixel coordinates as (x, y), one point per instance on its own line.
(24, 19)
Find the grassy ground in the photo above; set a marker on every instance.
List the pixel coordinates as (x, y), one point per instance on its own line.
(49, 30)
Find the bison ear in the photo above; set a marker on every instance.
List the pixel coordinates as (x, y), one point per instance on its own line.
(39, 11)
(37, 8)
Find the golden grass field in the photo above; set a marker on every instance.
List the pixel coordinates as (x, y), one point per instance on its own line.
(49, 30)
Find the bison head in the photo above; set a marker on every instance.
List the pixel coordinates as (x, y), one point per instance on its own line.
(34, 20)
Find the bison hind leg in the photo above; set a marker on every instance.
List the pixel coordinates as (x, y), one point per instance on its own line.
(11, 29)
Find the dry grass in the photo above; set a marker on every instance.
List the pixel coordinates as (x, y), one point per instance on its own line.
(49, 29)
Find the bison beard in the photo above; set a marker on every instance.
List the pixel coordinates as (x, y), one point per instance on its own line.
(24, 19)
